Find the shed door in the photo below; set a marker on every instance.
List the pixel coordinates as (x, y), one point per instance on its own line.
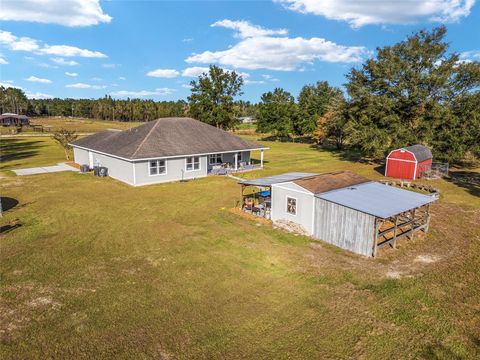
(401, 169)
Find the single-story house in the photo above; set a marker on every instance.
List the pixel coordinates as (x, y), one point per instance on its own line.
(10, 119)
(167, 149)
(246, 120)
(411, 162)
(344, 209)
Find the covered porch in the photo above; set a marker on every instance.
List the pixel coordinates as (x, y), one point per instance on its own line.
(233, 162)
(256, 194)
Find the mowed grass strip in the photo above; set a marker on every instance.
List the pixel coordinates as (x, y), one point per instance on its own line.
(101, 269)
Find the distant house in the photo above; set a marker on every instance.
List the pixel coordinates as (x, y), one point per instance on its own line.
(411, 162)
(10, 119)
(246, 120)
(167, 149)
(342, 208)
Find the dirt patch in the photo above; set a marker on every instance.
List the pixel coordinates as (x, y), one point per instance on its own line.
(291, 227)
(245, 215)
(426, 259)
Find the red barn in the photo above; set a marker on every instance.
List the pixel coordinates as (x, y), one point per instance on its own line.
(409, 163)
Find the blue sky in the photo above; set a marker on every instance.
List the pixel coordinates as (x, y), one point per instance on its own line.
(153, 49)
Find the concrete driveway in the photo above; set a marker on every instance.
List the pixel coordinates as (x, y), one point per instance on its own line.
(46, 169)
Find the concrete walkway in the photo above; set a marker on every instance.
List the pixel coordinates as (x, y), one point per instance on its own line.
(43, 170)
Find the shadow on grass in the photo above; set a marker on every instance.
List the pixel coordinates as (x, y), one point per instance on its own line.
(9, 227)
(8, 203)
(468, 180)
(16, 149)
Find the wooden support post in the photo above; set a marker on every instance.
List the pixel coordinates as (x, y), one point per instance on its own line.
(261, 158)
(236, 161)
(375, 238)
(428, 219)
(412, 212)
(395, 232)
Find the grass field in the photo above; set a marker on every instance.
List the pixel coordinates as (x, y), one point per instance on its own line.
(51, 124)
(98, 269)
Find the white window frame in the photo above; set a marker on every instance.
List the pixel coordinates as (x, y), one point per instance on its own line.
(296, 205)
(157, 166)
(216, 157)
(193, 163)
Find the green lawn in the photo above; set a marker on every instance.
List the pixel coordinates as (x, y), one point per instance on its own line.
(98, 269)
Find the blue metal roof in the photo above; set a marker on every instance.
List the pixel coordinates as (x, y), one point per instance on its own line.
(276, 179)
(377, 199)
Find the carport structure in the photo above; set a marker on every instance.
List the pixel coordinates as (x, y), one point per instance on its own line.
(386, 214)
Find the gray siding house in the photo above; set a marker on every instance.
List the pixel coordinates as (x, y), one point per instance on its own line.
(164, 150)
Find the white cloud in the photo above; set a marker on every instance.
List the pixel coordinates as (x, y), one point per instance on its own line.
(360, 13)
(96, 78)
(270, 77)
(16, 43)
(71, 74)
(194, 71)
(85, 86)
(122, 78)
(63, 62)
(279, 53)
(470, 56)
(187, 40)
(38, 95)
(109, 66)
(9, 83)
(186, 86)
(68, 51)
(143, 93)
(3, 61)
(39, 80)
(163, 73)
(254, 82)
(244, 29)
(68, 13)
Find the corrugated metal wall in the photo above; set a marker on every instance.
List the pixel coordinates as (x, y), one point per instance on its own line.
(344, 227)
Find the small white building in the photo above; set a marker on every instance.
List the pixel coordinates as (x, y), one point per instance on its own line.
(344, 209)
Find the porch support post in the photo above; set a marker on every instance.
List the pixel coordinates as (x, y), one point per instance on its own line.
(261, 158)
(236, 161)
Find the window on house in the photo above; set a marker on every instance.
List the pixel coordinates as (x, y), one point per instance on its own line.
(239, 156)
(291, 205)
(215, 159)
(157, 167)
(193, 163)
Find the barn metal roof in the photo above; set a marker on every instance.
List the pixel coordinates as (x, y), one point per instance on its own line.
(276, 179)
(377, 199)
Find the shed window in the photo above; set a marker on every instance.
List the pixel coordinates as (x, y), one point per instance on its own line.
(193, 163)
(291, 205)
(157, 167)
(215, 159)
(239, 156)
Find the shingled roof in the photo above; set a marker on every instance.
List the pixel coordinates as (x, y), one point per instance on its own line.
(331, 181)
(166, 137)
(420, 152)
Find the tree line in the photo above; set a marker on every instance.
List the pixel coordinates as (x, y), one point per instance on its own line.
(411, 92)
(106, 108)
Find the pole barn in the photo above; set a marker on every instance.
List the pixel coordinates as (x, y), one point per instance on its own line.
(409, 163)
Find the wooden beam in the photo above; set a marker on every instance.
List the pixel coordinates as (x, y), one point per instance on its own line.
(395, 233)
(375, 237)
